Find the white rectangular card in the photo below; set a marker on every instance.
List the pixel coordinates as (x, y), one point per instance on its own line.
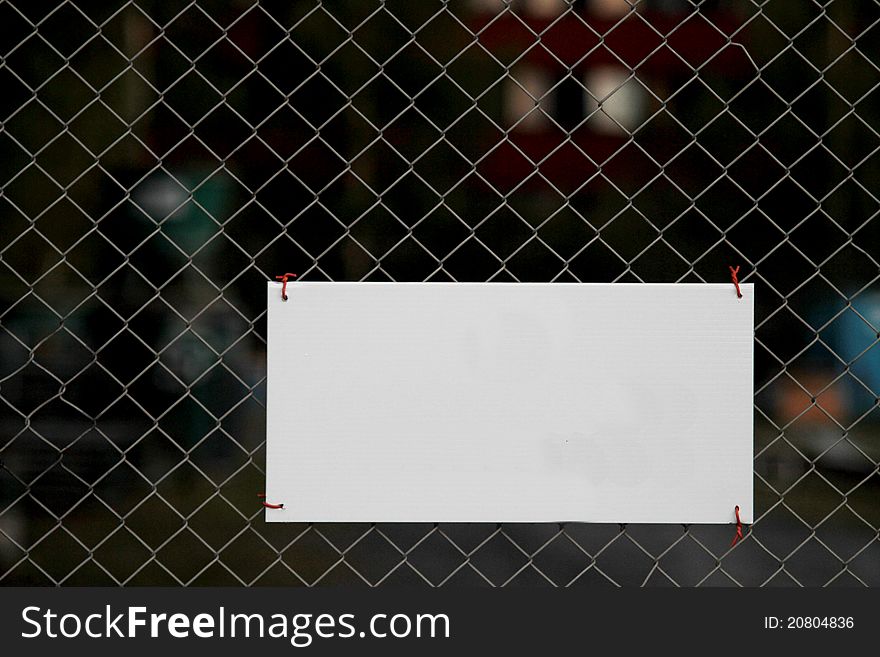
(509, 402)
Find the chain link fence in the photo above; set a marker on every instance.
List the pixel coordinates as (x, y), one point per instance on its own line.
(159, 161)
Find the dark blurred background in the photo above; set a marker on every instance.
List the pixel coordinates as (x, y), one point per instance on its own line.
(159, 161)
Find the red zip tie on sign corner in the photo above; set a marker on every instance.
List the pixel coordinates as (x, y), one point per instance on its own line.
(734, 276)
(739, 527)
(283, 278)
(262, 496)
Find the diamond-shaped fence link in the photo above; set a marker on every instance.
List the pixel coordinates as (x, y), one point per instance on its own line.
(159, 161)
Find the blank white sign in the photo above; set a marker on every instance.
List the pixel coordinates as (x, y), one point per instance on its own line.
(497, 402)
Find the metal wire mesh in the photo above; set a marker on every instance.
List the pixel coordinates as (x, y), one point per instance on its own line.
(159, 161)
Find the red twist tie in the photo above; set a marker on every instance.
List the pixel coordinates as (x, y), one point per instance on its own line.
(739, 528)
(733, 277)
(283, 280)
(267, 504)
